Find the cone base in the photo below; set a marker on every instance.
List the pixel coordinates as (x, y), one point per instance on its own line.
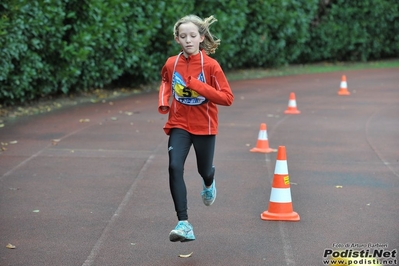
(264, 150)
(343, 92)
(292, 217)
(292, 112)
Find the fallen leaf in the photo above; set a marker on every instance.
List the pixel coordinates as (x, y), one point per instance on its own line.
(10, 246)
(36, 210)
(186, 256)
(13, 142)
(338, 186)
(3, 148)
(86, 120)
(1, 125)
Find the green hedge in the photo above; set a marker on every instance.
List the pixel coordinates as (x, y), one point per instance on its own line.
(30, 38)
(50, 47)
(359, 30)
(276, 32)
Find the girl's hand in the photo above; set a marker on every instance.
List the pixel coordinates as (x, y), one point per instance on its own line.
(164, 108)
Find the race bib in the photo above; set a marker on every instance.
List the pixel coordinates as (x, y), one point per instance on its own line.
(185, 95)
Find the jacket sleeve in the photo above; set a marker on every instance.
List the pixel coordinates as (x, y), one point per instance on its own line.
(165, 91)
(220, 93)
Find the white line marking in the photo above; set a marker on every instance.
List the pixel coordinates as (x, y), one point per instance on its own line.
(97, 247)
(38, 153)
(373, 147)
(288, 253)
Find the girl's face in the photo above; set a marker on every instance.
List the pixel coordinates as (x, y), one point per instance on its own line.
(189, 38)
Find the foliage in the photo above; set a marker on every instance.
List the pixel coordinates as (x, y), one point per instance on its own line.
(50, 47)
(354, 31)
(276, 32)
(30, 39)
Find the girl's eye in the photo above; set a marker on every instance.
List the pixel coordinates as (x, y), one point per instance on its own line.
(184, 36)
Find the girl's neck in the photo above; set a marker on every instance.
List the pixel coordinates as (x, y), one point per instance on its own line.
(188, 55)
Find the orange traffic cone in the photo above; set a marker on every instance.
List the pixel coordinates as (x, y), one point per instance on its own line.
(262, 145)
(280, 205)
(292, 105)
(343, 90)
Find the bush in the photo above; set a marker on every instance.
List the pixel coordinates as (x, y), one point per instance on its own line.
(100, 43)
(50, 47)
(30, 31)
(276, 31)
(354, 31)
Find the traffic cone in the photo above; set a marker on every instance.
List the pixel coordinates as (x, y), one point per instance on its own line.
(262, 145)
(292, 109)
(280, 204)
(343, 90)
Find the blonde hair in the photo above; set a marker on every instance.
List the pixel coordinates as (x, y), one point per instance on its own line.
(210, 43)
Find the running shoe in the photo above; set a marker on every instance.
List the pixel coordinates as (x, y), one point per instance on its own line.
(183, 232)
(209, 194)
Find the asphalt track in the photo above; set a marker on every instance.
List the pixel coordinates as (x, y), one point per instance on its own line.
(99, 194)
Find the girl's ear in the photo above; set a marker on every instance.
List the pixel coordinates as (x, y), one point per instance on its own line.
(177, 40)
(202, 38)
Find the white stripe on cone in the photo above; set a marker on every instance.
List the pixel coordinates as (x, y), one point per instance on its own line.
(344, 84)
(281, 167)
(262, 135)
(292, 103)
(280, 195)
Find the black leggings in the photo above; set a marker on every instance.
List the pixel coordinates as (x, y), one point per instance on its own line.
(179, 145)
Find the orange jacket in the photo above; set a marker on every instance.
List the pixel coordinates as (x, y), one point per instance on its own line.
(197, 84)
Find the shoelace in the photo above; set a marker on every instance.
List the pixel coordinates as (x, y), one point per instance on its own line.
(182, 226)
(207, 192)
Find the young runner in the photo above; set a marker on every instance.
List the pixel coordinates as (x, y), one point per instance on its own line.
(197, 84)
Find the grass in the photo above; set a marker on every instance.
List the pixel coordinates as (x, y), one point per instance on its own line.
(308, 69)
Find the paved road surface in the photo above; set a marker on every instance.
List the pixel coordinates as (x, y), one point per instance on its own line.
(100, 195)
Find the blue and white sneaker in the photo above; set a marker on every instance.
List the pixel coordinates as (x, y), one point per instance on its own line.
(209, 194)
(183, 232)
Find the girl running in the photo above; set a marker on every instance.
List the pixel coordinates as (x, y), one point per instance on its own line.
(197, 84)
